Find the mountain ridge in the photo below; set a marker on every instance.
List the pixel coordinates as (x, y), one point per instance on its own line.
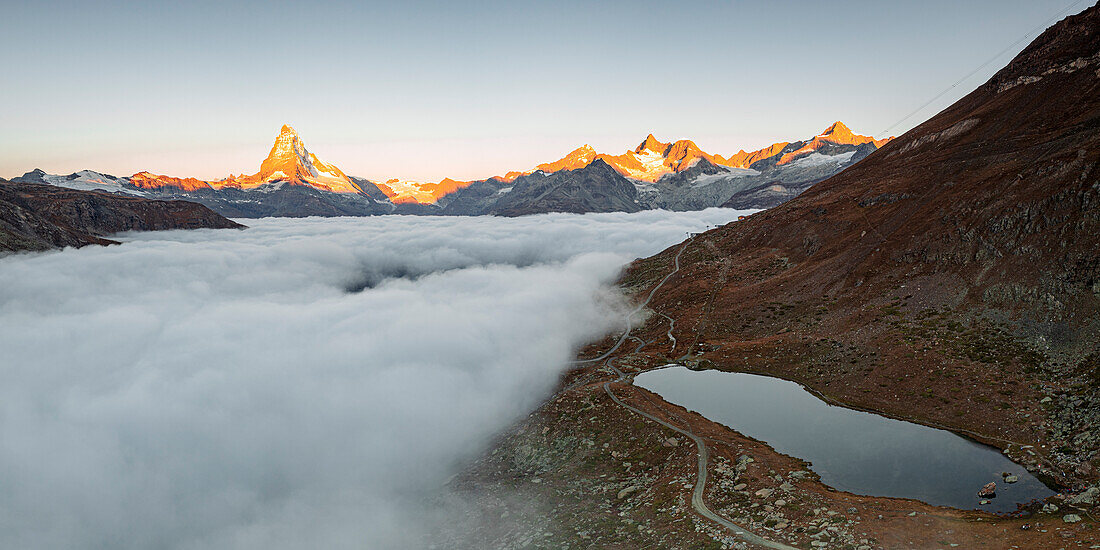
(35, 216)
(291, 172)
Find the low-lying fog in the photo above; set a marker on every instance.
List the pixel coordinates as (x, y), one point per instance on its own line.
(300, 384)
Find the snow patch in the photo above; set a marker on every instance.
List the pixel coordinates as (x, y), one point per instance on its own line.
(707, 179)
(87, 180)
(817, 159)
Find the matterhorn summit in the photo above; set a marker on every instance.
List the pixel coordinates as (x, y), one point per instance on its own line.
(290, 161)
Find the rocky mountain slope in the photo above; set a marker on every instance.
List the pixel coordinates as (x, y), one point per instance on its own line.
(39, 217)
(596, 187)
(952, 277)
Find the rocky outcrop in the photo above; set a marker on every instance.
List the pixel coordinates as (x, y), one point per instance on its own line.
(594, 188)
(989, 490)
(39, 217)
(153, 182)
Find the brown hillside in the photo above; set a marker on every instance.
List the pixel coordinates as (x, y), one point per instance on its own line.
(39, 217)
(952, 277)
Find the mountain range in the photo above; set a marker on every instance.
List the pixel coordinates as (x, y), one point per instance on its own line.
(677, 175)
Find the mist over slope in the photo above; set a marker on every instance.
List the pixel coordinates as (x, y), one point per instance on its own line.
(302, 383)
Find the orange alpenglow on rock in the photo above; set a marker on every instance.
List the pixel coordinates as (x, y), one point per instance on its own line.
(743, 159)
(419, 192)
(578, 158)
(683, 153)
(652, 158)
(650, 143)
(290, 161)
(145, 180)
(510, 176)
(838, 134)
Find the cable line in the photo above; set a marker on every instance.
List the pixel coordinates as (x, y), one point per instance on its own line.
(1041, 26)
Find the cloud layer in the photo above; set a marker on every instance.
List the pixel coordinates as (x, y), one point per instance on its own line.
(224, 389)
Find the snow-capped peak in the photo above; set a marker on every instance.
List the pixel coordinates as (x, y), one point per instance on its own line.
(839, 133)
(651, 144)
(290, 161)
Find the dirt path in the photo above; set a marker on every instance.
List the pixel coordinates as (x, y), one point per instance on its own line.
(697, 501)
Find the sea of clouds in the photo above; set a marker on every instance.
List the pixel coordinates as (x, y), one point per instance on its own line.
(304, 383)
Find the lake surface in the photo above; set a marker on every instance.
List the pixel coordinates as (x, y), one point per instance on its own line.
(854, 451)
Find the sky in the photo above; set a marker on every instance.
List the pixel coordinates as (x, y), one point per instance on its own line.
(424, 90)
(223, 389)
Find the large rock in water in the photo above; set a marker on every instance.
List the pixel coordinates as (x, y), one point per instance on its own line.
(988, 491)
(40, 217)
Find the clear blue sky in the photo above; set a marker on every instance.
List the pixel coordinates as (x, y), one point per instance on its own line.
(423, 90)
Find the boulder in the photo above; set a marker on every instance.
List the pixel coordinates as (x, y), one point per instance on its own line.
(1088, 497)
(988, 491)
(627, 491)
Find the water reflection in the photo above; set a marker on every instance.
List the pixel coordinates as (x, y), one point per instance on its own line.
(851, 450)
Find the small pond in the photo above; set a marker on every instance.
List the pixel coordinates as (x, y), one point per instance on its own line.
(851, 450)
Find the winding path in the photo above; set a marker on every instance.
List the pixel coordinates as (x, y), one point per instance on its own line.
(637, 310)
(697, 501)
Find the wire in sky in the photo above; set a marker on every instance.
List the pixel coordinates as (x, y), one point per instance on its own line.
(1041, 26)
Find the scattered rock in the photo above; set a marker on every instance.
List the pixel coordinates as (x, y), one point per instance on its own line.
(1045, 400)
(671, 442)
(740, 486)
(1071, 518)
(1086, 498)
(1049, 508)
(765, 493)
(983, 502)
(780, 502)
(1011, 479)
(743, 462)
(626, 492)
(988, 491)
